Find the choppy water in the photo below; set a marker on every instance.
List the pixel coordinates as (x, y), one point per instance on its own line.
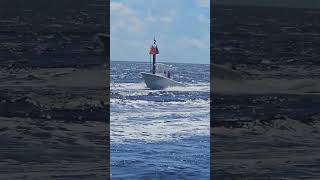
(159, 134)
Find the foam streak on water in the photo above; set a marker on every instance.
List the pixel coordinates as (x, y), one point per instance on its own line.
(157, 121)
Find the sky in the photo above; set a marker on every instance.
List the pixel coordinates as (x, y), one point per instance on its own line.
(181, 28)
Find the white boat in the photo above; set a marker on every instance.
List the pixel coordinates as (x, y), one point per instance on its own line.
(160, 76)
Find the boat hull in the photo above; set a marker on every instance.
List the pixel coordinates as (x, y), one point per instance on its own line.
(154, 81)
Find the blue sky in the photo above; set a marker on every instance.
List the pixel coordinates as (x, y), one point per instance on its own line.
(181, 28)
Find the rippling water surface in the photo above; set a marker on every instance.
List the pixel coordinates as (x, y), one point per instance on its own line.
(159, 134)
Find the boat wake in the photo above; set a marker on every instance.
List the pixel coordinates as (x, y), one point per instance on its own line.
(158, 115)
(141, 86)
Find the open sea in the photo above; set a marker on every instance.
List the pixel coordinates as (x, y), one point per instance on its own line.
(159, 134)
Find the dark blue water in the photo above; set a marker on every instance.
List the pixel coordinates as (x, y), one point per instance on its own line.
(159, 134)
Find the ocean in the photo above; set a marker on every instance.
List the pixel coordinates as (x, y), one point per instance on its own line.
(265, 103)
(159, 134)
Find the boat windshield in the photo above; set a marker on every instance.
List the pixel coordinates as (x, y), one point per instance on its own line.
(165, 69)
(161, 66)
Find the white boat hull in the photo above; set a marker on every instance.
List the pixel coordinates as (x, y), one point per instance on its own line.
(154, 81)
